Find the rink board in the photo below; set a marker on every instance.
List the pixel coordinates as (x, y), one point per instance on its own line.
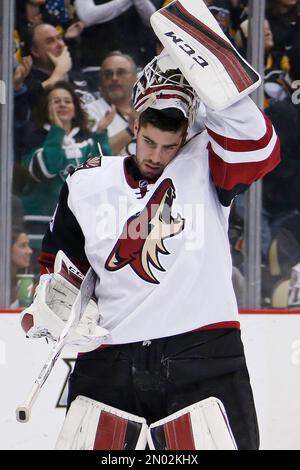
(272, 344)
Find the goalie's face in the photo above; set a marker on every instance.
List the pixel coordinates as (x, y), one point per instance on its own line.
(156, 149)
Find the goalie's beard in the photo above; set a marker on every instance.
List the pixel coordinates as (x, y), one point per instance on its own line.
(135, 170)
(149, 170)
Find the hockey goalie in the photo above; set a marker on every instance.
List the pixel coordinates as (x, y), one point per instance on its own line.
(163, 361)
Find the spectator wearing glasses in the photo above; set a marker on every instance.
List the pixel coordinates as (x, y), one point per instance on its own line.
(117, 77)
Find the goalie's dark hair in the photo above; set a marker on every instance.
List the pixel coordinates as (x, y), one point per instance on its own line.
(168, 120)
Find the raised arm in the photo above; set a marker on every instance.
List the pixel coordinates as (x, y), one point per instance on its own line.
(243, 147)
(145, 9)
(47, 159)
(92, 14)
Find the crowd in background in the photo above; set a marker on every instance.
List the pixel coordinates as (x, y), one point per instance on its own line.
(75, 65)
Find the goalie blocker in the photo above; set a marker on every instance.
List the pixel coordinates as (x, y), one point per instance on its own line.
(91, 425)
(51, 309)
(207, 59)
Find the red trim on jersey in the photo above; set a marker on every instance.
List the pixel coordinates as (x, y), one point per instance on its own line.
(46, 261)
(212, 326)
(134, 184)
(223, 324)
(228, 175)
(111, 431)
(227, 57)
(238, 145)
(283, 311)
(179, 434)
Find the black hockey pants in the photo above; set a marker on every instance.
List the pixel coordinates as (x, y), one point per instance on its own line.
(155, 379)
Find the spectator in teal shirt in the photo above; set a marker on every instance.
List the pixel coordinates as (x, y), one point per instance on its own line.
(61, 142)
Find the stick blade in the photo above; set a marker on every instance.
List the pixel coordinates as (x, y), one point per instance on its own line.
(85, 294)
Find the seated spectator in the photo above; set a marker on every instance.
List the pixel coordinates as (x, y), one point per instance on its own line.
(239, 286)
(221, 11)
(236, 234)
(22, 111)
(51, 63)
(284, 19)
(20, 260)
(61, 10)
(277, 81)
(288, 243)
(17, 213)
(116, 24)
(117, 77)
(22, 115)
(236, 239)
(283, 257)
(61, 143)
(281, 189)
(238, 12)
(30, 13)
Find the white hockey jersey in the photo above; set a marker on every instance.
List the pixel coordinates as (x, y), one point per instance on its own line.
(96, 111)
(161, 250)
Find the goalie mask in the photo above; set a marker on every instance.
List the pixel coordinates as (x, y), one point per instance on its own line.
(162, 86)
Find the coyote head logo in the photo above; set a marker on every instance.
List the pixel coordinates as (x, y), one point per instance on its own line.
(143, 235)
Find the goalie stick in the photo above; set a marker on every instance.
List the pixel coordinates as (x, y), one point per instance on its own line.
(83, 297)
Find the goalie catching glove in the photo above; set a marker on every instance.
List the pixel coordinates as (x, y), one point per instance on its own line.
(52, 304)
(209, 62)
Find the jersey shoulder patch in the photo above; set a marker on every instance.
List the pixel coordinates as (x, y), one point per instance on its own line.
(91, 162)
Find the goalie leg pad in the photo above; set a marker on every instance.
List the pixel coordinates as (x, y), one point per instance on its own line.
(201, 426)
(92, 425)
